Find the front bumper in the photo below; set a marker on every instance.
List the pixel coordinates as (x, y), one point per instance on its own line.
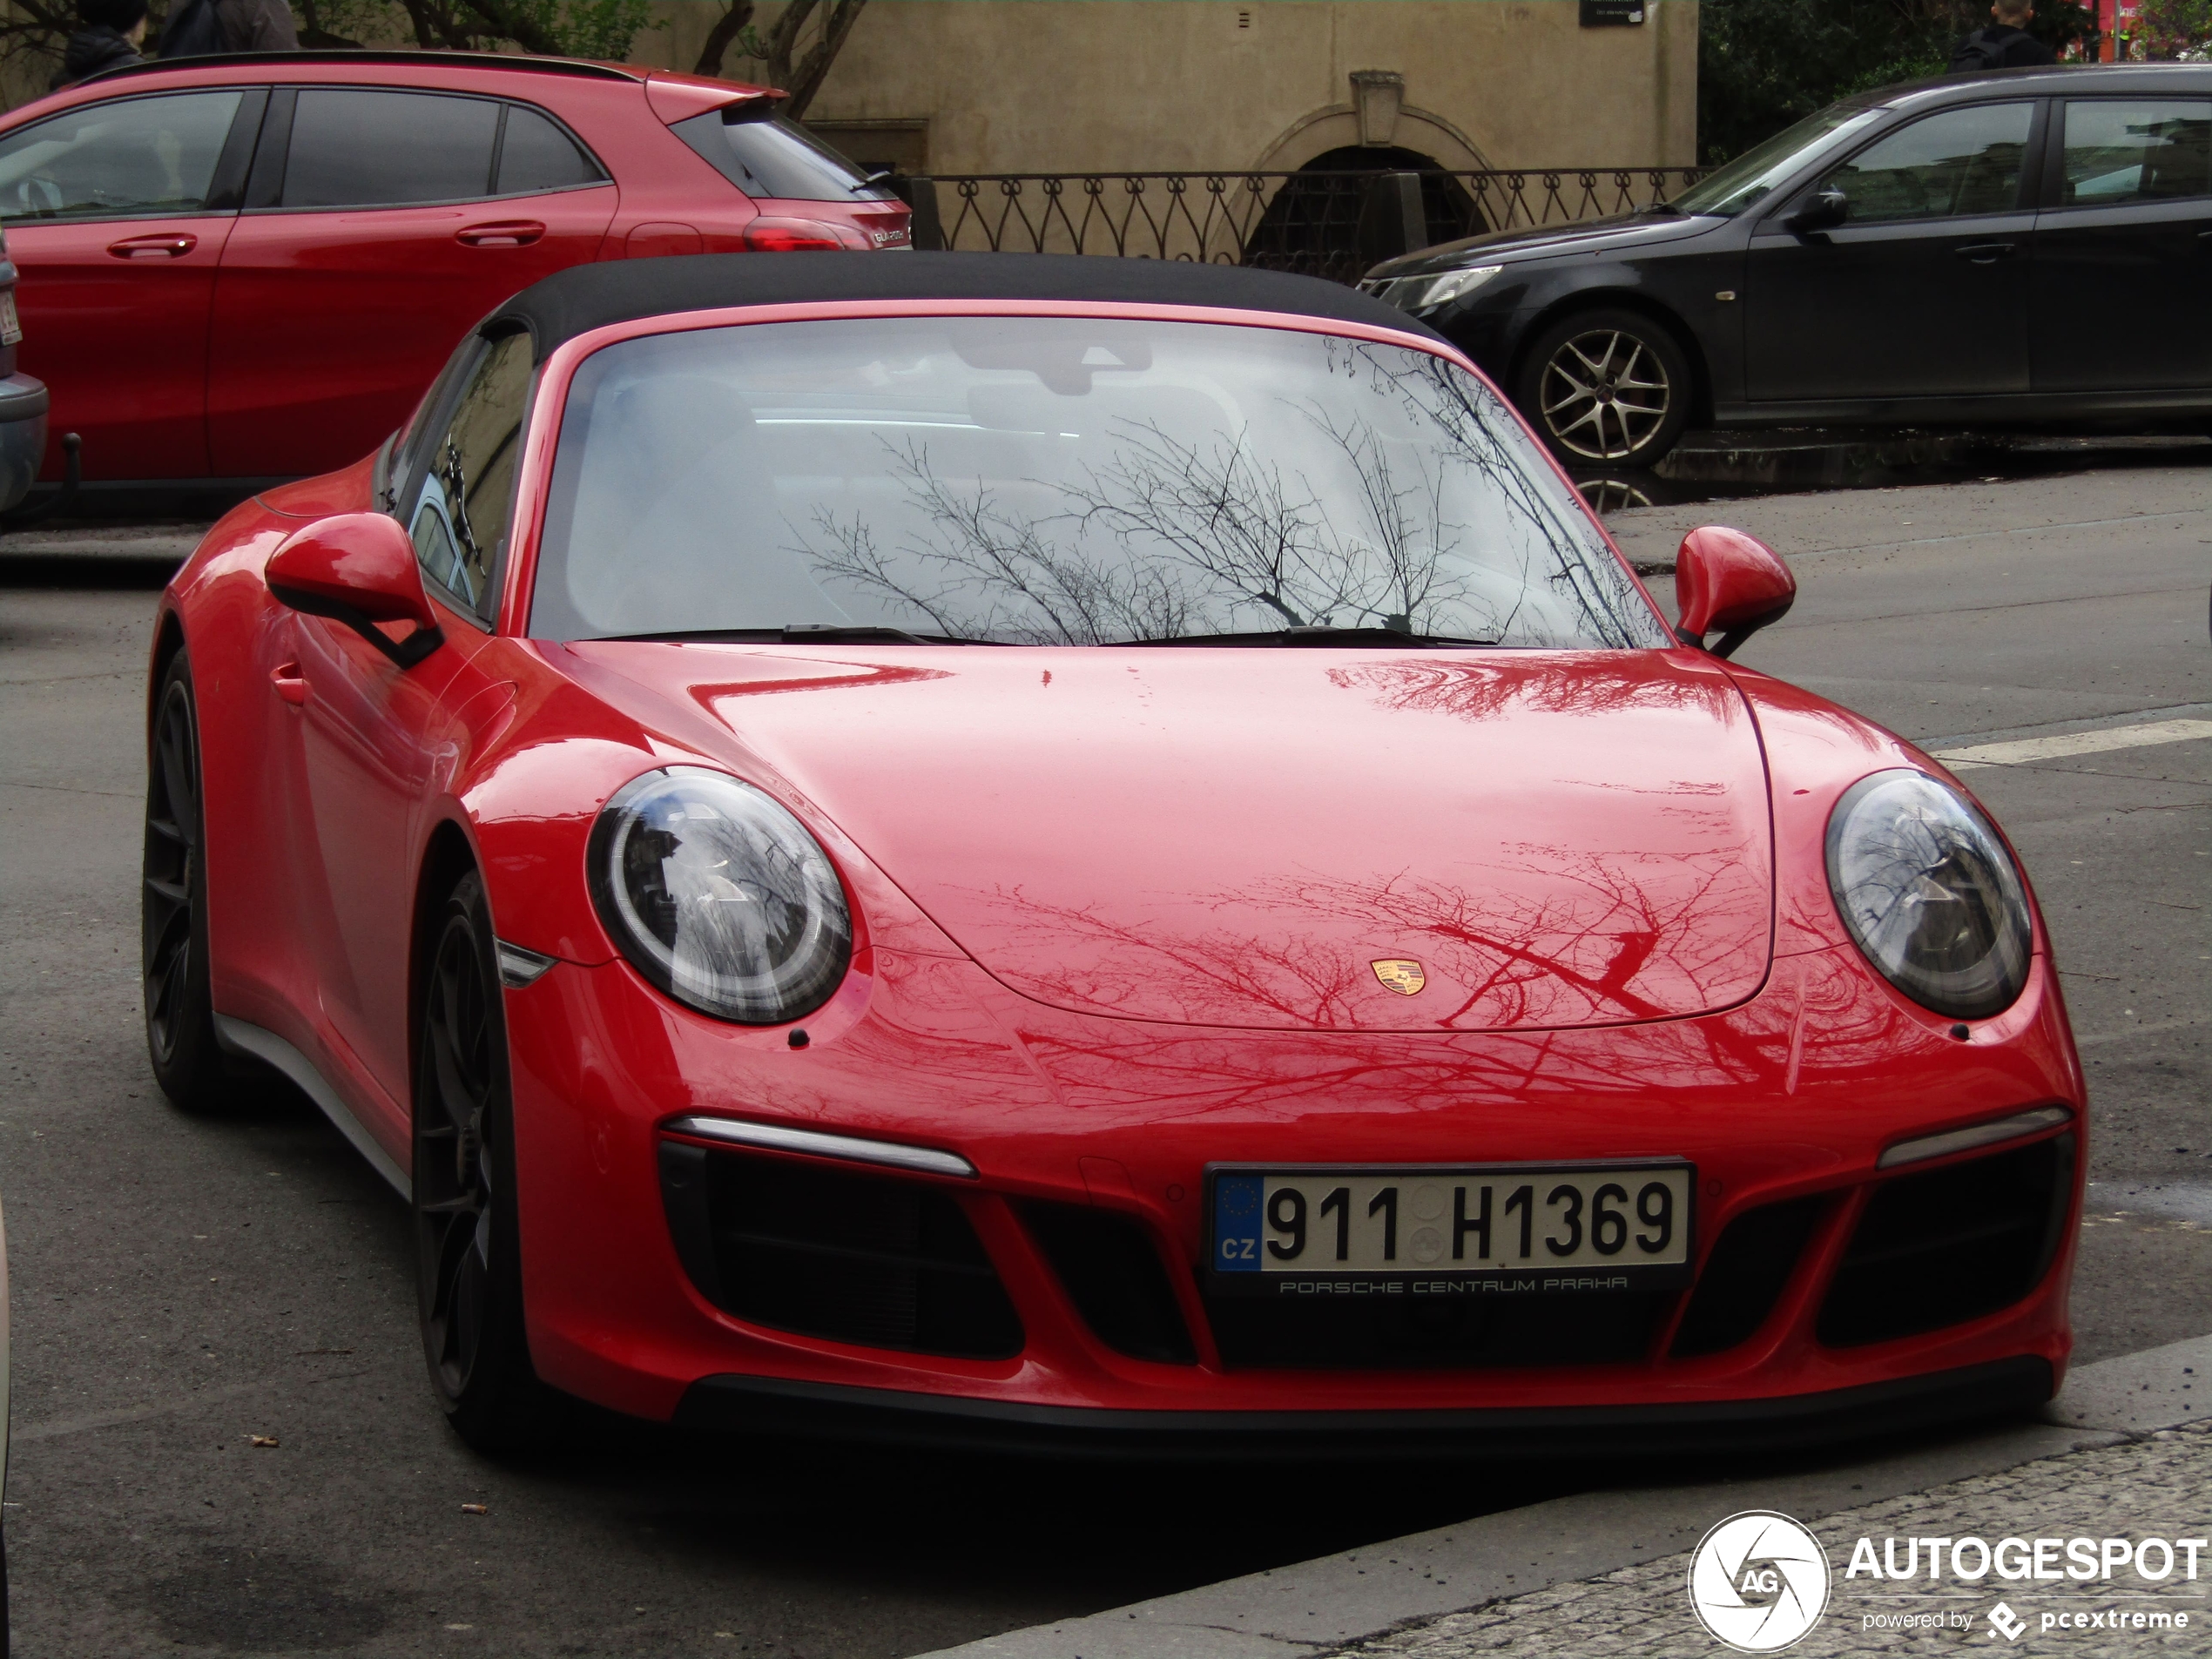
(1789, 1099)
(1729, 1429)
(24, 405)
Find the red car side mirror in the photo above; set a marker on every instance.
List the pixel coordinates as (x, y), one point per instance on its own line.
(1727, 580)
(358, 569)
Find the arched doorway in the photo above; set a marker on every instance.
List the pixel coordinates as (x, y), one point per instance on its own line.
(1322, 220)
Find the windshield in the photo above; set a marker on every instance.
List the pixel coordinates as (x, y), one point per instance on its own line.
(1050, 481)
(1748, 178)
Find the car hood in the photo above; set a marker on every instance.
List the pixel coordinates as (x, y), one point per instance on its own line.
(1287, 838)
(1585, 236)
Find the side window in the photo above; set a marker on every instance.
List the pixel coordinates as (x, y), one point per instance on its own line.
(374, 149)
(118, 160)
(1942, 166)
(2145, 152)
(461, 512)
(534, 154)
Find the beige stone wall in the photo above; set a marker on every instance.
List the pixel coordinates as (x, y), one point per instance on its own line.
(1066, 85)
(1146, 85)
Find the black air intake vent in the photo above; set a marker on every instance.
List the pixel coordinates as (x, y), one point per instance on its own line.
(882, 1263)
(1114, 1276)
(1744, 1277)
(1949, 1245)
(1615, 1328)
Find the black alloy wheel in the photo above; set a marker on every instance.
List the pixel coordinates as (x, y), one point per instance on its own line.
(1607, 386)
(469, 1276)
(172, 914)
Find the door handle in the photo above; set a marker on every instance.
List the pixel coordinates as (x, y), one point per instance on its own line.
(291, 684)
(506, 233)
(170, 246)
(1985, 252)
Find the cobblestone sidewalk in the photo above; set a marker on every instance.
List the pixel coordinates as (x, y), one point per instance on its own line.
(2157, 1484)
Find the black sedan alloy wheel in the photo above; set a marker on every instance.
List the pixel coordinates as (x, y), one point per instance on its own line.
(180, 1024)
(1607, 386)
(469, 1267)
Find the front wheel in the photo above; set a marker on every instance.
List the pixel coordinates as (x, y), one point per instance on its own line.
(1606, 386)
(469, 1276)
(172, 900)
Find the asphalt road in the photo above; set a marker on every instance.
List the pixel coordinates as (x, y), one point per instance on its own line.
(183, 1284)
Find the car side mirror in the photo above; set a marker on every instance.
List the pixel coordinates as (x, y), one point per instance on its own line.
(1729, 581)
(1825, 209)
(358, 569)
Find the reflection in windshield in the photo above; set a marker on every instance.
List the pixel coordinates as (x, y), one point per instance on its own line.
(1746, 180)
(1048, 481)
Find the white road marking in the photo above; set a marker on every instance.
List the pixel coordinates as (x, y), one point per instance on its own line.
(2074, 743)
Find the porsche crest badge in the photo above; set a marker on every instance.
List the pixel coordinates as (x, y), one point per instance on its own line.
(1404, 977)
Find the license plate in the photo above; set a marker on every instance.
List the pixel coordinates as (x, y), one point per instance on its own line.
(1512, 1229)
(11, 328)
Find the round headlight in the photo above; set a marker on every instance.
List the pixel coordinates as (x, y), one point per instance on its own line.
(719, 896)
(1930, 894)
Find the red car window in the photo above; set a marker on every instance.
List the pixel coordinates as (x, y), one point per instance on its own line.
(461, 513)
(368, 148)
(536, 155)
(764, 156)
(122, 159)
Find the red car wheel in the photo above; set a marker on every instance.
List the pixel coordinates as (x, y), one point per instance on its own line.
(180, 1024)
(468, 1266)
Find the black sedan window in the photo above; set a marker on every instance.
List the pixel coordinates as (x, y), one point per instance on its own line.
(1941, 166)
(1061, 480)
(2137, 152)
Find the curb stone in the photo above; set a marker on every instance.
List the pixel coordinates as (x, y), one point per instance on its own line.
(1343, 1601)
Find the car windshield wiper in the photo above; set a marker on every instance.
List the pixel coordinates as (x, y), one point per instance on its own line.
(805, 633)
(1323, 635)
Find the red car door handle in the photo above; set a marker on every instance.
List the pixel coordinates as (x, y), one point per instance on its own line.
(290, 684)
(1985, 252)
(175, 245)
(506, 233)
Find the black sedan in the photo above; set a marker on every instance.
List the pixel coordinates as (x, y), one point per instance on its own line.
(2024, 247)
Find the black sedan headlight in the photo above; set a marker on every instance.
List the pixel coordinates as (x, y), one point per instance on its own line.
(719, 896)
(1930, 894)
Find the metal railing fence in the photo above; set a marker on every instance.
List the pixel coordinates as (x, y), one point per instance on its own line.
(1327, 224)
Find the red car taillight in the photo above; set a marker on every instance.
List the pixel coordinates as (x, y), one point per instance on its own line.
(769, 235)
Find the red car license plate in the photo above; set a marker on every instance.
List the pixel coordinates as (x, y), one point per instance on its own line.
(1511, 1229)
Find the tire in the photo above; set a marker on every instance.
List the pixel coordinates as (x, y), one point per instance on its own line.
(172, 904)
(1611, 387)
(468, 1269)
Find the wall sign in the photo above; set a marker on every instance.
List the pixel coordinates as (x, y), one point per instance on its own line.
(1612, 14)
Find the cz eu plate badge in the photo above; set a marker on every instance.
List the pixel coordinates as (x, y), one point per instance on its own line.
(1450, 1230)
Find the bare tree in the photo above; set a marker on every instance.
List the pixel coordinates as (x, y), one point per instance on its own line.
(797, 52)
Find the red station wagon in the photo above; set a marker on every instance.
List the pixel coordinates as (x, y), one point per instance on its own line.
(248, 269)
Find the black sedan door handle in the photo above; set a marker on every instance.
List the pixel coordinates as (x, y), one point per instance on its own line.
(1985, 252)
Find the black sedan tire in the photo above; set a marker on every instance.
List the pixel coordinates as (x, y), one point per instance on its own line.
(180, 1019)
(1611, 386)
(469, 1248)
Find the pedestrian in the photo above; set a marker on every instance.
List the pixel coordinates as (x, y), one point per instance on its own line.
(109, 38)
(197, 27)
(2004, 44)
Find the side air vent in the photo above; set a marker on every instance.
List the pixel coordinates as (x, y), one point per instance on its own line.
(879, 1261)
(1114, 1276)
(1744, 1277)
(1949, 1245)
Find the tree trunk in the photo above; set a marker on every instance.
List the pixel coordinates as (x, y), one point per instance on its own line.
(720, 38)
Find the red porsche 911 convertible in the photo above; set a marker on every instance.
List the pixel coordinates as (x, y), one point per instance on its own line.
(1097, 851)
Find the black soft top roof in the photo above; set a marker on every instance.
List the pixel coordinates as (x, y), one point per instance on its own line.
(585, 297)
